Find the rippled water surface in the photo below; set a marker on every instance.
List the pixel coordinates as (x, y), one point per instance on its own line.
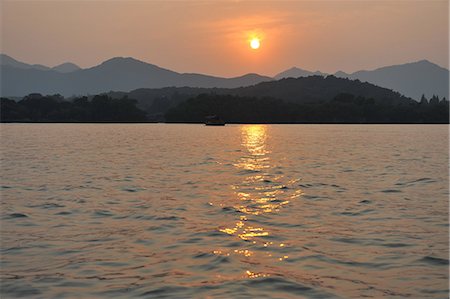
(261, 211)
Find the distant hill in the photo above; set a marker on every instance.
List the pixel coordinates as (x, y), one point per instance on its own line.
(6, 60)
(303, 90)
(296, 72)
(318, 88)
(116, 74)
(410, 79)
(67, 67)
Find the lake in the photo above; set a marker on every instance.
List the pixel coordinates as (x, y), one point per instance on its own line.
(241, 211)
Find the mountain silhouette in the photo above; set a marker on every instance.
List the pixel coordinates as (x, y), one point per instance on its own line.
(124, 74)
(296, 72)
(302, 90)
(66, 67)
(318, 88)
(410, 79)
(116, 74)
(6, 60)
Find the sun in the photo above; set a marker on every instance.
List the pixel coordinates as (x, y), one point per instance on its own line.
(255, 43)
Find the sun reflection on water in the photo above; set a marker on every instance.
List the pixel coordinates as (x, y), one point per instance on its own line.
(261, 191)
(254, 140)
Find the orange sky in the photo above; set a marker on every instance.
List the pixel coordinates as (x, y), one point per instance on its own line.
(212, 37)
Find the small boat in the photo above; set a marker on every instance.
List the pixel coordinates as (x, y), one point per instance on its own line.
(214, 120)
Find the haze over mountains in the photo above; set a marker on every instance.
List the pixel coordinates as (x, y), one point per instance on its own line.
(127, 74)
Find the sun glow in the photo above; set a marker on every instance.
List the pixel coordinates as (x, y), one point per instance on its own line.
(255, 43)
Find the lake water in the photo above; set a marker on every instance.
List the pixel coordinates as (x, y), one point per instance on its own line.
(257, 211)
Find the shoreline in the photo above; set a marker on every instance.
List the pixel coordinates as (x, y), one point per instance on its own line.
(230, 123)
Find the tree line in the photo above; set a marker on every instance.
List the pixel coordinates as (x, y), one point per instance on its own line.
(54, 108)
(343, 108)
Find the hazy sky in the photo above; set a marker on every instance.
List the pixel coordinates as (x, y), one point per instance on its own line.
(212, 37)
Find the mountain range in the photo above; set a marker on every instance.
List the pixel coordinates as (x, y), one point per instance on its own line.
(410, 79)
(116, 74)
(67, 67)
(126, 74)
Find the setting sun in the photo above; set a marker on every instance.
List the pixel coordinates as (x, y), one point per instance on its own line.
(255, 43)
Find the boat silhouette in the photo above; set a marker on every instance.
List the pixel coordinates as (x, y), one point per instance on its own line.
(214, 120)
